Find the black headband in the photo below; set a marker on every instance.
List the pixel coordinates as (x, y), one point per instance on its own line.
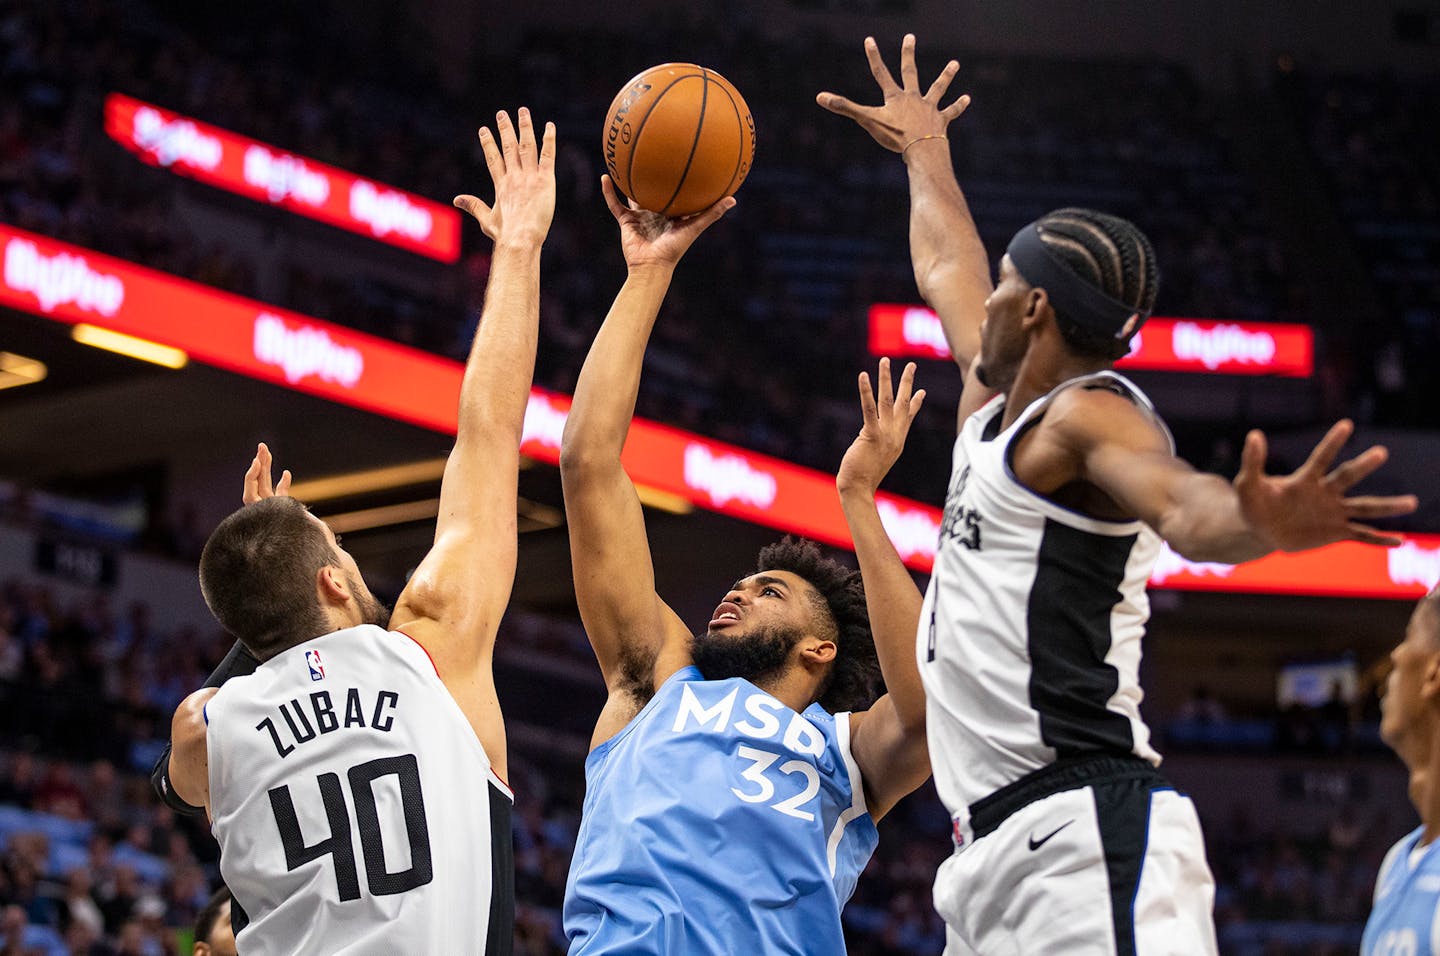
(1071, 295)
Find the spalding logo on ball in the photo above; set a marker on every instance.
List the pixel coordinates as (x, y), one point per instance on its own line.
(678, 139)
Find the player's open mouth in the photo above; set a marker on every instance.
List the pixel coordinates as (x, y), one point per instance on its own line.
(727, 613)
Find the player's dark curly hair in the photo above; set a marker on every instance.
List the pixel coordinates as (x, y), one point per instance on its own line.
(854, 679)
(1111, 254)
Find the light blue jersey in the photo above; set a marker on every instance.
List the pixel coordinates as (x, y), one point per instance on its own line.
(719, 821)
(1407, 899)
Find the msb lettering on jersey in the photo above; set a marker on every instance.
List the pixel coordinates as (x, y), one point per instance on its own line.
(761, 714)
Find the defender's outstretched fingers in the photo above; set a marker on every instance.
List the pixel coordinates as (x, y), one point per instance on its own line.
(942, 82)
(867, 400)
(907, 384)
(1252, 457)
(509, 146)
(956, 108)
(250, 493)
(1348, 474)
(1324, 453)
(841, 106)
(916, 401)
(1370, 507)
(909, 77)
(526, 146)
(886, 393)
(475, 207)
(1368, 535)
(494, 162)
(547, 148)
(878, 69)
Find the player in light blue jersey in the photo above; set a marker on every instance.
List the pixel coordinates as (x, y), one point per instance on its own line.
(1405, 920)
(735, 775)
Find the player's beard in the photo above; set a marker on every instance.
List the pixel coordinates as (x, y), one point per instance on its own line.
(759, 654)
(371, 610)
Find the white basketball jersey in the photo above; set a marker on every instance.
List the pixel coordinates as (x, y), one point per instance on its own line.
(355, 808)
(1029, 639)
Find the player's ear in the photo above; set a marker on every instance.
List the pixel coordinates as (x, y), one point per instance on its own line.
(1430, 683)
(820, 652)
(330, 586)
(1037, 303)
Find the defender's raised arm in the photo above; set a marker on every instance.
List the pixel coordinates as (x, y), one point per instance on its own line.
(456, 597)
(889, 739)
(951, 267)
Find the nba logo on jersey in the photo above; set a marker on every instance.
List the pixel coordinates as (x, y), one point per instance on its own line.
(317, 669)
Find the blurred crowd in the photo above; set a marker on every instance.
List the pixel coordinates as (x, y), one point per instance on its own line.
(92, 863)
(1375, 139)
(1295, 893)
(819, 235)
(1338, 725)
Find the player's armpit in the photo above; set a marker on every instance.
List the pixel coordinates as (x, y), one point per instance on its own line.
(1100, 437)
(893, 761)
(1124, 454)
(189, 764)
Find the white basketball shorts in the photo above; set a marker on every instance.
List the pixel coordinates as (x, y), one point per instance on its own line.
(1115, 866)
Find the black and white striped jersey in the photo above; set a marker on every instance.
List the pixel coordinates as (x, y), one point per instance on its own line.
(354, 806)
(1029, 640)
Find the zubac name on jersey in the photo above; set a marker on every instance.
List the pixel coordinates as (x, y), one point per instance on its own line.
(317, 716)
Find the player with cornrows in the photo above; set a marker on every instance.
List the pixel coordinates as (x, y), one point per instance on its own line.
(1064, 483)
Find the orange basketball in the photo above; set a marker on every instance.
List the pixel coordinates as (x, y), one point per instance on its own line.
(678, 138)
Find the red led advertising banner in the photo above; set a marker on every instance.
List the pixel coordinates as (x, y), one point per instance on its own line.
(240, 165)
(70, 284)
(1347, 569)
(1166, 345)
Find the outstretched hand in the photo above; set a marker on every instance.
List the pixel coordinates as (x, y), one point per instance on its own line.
(907, 116)
(257, 478)
(524, 178)
(887, 417)
(649, 238)
(1309, 507)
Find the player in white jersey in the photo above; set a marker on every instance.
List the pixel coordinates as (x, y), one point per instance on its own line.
(1405, 920)
(1064, 481)
(355, 780)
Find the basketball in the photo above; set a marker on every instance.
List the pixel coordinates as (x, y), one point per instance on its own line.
(678, 138)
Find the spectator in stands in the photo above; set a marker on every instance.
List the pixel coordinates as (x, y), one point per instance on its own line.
(13, 924)
(1201, 707)
(79, 904)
